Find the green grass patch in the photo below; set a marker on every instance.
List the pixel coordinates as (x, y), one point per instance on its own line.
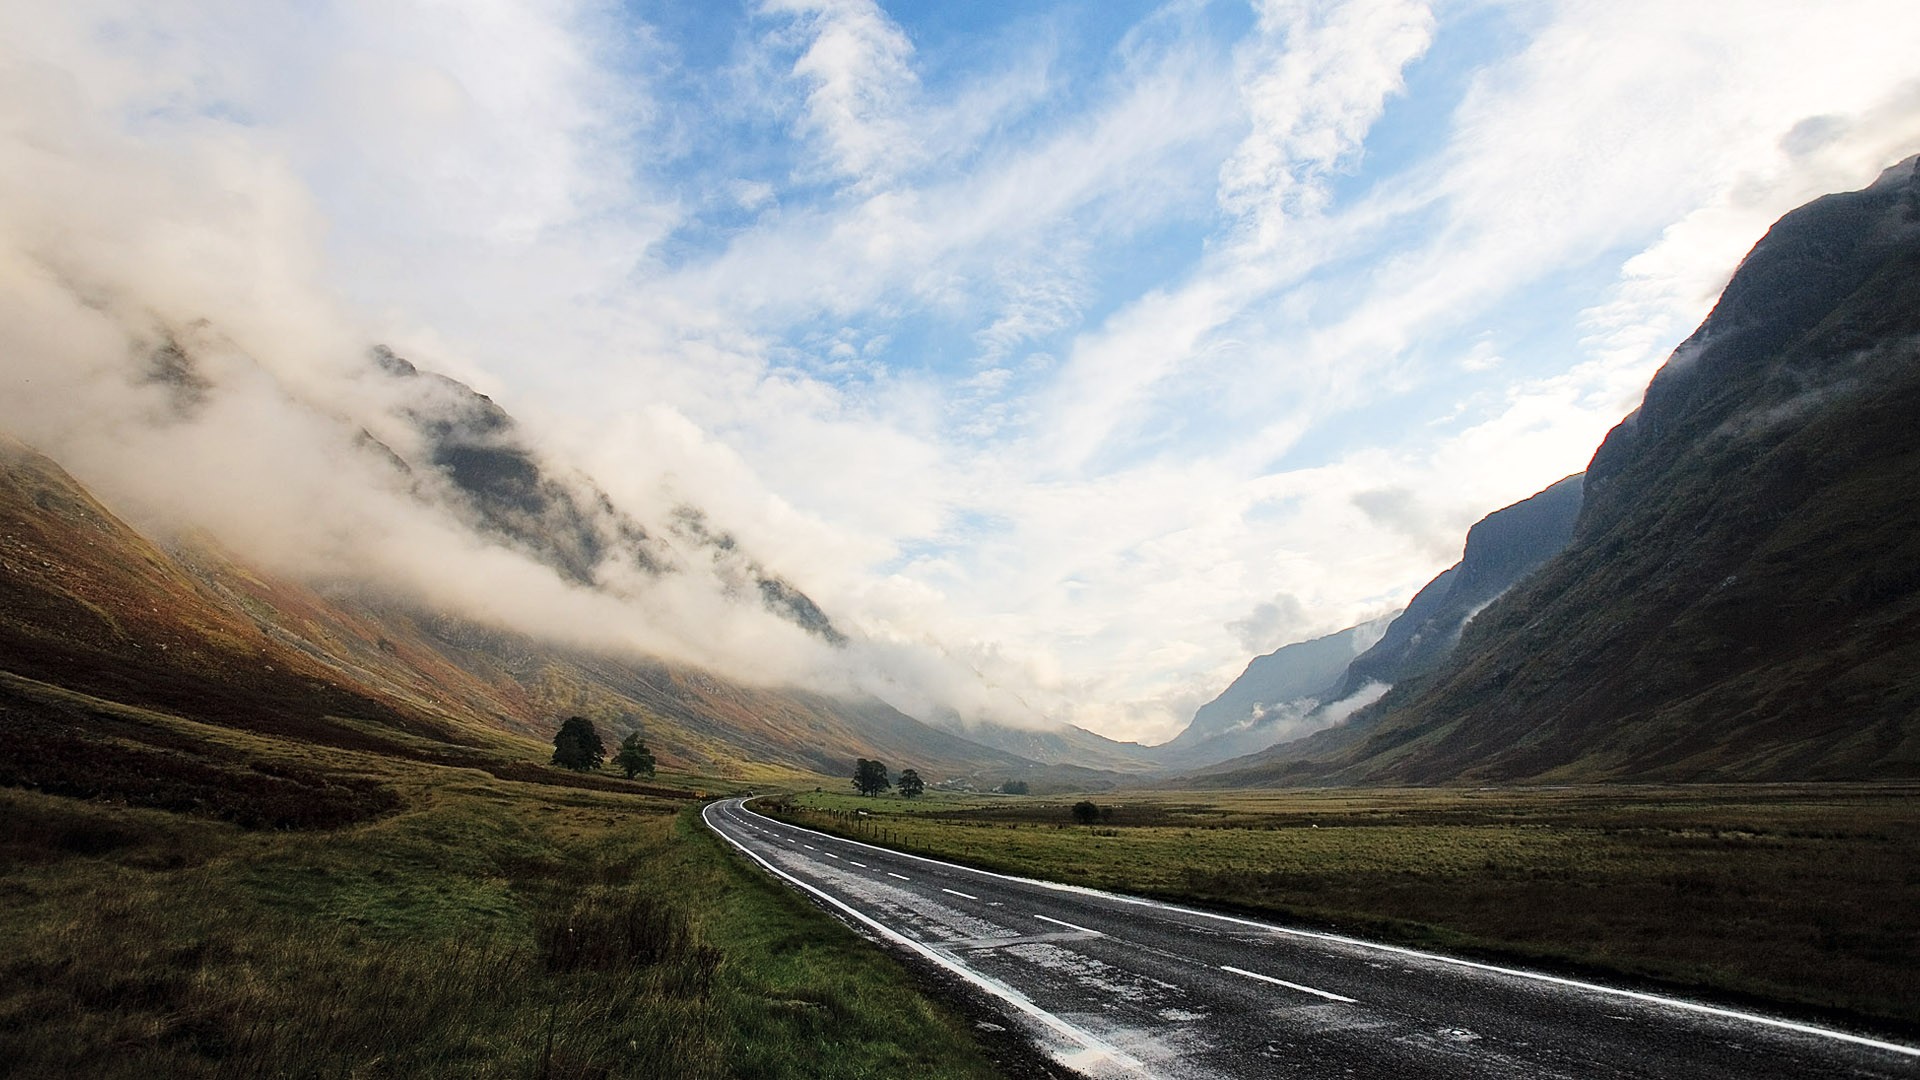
(1794, 894)
(475, 927)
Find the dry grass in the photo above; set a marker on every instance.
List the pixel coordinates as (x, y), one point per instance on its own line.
(1791, 894)
(464, 926)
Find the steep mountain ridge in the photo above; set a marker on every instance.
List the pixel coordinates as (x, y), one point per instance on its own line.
(1501, 550)
(1741, 596)
(1304, 688)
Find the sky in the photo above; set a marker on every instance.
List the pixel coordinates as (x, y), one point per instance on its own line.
(1076, 350)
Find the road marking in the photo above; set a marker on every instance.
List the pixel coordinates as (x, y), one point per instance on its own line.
(1438, 958)
(1288, 985)
(809, 847)
(1070, 926)
(957, 892)
(861, 865)
(902, 877)
(829, 854)
(1096, 1049)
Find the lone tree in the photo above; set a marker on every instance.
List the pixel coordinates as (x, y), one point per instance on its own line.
(910, 784)
(1086, 812)
(577, 745)
(870, 777)
(633, 756)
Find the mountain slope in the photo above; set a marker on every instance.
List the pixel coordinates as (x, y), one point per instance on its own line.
(1501, 550)
(1269, 706)
(89, 604)
(1741, 598)
(499, 485)
(1267, 701)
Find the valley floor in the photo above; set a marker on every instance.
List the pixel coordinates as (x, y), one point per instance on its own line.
(1784, 895)
(358, 915)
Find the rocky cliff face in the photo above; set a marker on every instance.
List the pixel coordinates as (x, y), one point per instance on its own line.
(1741, 597)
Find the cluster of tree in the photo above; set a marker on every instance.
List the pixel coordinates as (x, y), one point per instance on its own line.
(1086, 811)
(577, 746)
(1014, 787)
(870, 778)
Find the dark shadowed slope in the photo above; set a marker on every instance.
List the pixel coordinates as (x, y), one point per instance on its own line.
(1741, 599)
(1501, 550)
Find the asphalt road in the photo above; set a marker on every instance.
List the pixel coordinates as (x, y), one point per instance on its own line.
(1111, 985)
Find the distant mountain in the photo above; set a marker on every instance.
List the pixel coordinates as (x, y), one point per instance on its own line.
(1741, 596)
(1502, 549)
(1271, 699)
(1060, 744)
(90, 606)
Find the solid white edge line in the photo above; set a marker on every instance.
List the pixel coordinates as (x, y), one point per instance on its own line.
(902, 877)
(957, 892)
(1288, 985)
(1068, 925)
(992, 986)
(1400, 950)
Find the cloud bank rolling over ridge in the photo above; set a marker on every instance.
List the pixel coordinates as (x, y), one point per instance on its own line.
(1064, 353)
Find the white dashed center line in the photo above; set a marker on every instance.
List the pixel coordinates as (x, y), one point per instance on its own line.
(902, 877)
(1068, 925)
(861, 865)
(1285, 983)
(957, 892)
(829, 854)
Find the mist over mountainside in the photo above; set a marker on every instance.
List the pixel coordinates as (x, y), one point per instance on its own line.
(90, 606)
(1062, 744)
(501, 487)
(1272, 699)
(1741, 596)
(1309, 686)
(1501, 550)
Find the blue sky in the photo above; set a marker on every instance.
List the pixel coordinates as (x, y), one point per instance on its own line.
(1069, 353)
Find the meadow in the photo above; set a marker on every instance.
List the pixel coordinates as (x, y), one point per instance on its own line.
(1795, 896)
(360, 915)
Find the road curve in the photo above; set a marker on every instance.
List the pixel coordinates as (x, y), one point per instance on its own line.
(1118, 986)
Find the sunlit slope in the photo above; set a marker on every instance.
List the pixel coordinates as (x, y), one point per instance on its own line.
(1741, 599)
(88, 603)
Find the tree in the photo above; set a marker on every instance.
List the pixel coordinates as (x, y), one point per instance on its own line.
(634, 757)
(1086, 812)
(1014, 787)
(577, 745)
(870, 777)
(910, 784)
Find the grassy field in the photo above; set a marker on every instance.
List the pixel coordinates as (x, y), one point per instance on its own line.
(1802, 895)
(417, 920)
